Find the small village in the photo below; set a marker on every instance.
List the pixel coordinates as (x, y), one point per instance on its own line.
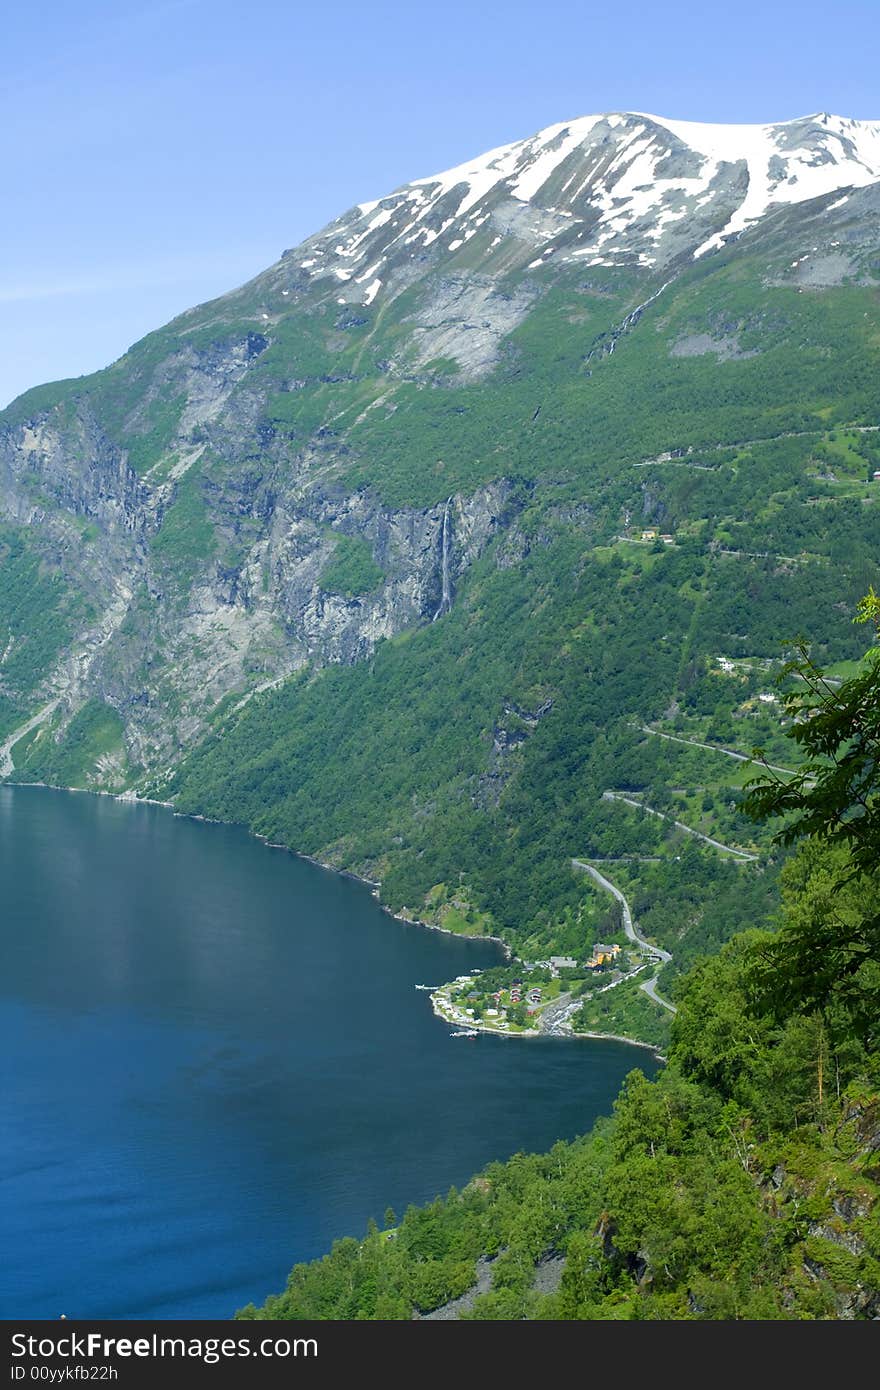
(522, 997)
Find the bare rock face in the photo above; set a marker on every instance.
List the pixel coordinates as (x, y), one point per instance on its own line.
(406, 544)
(467, 319)
(180, 631)
(78, 467)
(189, 500)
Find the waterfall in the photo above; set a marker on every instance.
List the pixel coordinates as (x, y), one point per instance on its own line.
(445, 596)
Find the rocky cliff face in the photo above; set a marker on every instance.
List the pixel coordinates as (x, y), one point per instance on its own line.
(371, 397)
(241, 601)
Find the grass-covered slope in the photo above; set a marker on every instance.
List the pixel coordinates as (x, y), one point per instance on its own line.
(413, 769)
(38, 618)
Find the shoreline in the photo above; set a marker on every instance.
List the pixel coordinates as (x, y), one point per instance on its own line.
(435, 926)
(132, 799)
(374, 884)
(619, 1037)
(529, 1033)
(128, 797)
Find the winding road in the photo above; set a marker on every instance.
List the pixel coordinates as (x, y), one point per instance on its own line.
(649, 986)
(680, 825)
(628, 925)
(661, 956)
(692, 449)
(715, 748)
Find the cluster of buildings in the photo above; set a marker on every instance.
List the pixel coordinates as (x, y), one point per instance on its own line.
(602, 955)
(516, 991)
(557, 963)
(532, 996)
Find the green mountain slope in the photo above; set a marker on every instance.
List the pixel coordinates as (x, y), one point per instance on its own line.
(459, 550)
(409, 551)
(741, 1184)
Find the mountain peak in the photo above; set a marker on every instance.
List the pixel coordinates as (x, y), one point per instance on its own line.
(606, 189)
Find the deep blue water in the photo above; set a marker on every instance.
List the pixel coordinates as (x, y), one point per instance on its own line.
(213, 1062)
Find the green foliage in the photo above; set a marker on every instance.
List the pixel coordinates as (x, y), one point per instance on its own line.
(814, 361)
(836, 792)
(388, 768)
(626, 1011)
(664, 1212)
(185, 541)
(162, 418)
(419, 768)
(38, 616)
(741, 1184)
(831, 944)
(11, 715)
(55, 395)
(351, 569)
(95, 732)
(827, 956)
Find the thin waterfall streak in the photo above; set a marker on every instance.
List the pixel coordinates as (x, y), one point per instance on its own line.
(445, 595)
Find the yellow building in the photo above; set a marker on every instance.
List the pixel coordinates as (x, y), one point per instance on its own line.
(603, 955)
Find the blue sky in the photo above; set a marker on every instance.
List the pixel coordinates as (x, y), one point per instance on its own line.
(157, 154)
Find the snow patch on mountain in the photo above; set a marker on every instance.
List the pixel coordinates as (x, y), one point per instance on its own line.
(833, 153)
(603, 190)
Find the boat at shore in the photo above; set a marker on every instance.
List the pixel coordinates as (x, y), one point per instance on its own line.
(464, 1033)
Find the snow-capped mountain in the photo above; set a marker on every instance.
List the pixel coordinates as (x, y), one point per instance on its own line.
(622, 189)
(312, 462)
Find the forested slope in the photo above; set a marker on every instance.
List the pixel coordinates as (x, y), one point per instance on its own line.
(744, 1181)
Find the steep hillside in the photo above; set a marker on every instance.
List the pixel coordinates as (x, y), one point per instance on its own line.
(743, 1182)
(494, 497)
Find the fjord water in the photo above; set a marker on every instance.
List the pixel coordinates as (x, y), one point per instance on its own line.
(214, 1062)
